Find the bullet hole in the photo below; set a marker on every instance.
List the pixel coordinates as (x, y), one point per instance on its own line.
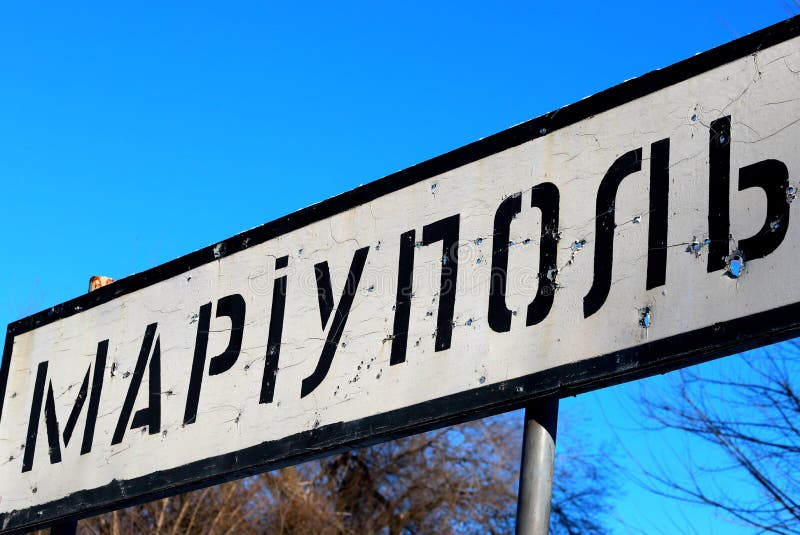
(371, 288)
(193, 318)
(35, 490)
(273, 349)
(418, 244)
(378, 246)
(478, 261)
(645, 318)
(696, 246)
(444, 260)
(543, 130)
(126, 375)
(526, 241)
(169, 393)
(511, 243)
(433, 188)
(723, 139)
(358, 367)
(344, 344)
(164, 433)
(478, 241)
(300, 251)
(791, 193)
(416, 344)
(113, 369)
(394, 307)
(246, 367)
(188, 278)
(694, 117)
(369, 366)
(316, 424)
(775, 225)
(429, 313)
(13, 395)
(513, 312)
(482, 379)
(238, 417)
(10, 458)
(469, 322)
(379, 375)
(577, 245)
(519, 389)
(636, 220)
(245, 242)
(736, 265)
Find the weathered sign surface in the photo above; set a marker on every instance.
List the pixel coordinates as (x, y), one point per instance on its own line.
(639, 230)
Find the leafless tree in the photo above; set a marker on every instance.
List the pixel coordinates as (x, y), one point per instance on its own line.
(461, 479)
(745, 412)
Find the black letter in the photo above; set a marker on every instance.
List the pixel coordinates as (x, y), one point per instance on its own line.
(499, 315)
(628, 163)
(275, 333)
(402, 309)
(234, 307)
(151, 415)
(659, 214)
(545, 197)
(719, 191)
(311, 382)
(445, 230)
(50, 411)
(773, 177)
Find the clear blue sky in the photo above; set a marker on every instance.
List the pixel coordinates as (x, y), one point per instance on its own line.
(133, 134)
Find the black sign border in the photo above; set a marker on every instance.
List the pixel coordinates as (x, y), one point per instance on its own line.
(667, 354)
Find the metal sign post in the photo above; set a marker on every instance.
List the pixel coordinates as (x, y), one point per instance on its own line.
(536, 471)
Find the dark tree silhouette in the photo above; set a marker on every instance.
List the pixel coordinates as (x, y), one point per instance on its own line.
(461, 479)
(746, 412)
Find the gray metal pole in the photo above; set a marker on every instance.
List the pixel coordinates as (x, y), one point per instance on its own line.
(536, 472)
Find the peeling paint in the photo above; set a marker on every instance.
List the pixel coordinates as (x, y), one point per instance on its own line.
(219, 250)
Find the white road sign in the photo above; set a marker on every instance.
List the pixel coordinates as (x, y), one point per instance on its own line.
(642, 229)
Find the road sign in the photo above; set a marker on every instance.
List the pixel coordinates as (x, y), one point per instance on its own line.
(639, 230)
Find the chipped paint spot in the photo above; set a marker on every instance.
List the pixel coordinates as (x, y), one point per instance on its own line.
(791, 193)
(478, 241)
(219, 250)
(636, 220)
(577, 245)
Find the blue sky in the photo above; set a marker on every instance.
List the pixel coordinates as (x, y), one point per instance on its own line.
(133, 134)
